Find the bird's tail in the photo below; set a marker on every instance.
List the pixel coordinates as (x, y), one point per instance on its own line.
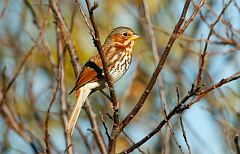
(82, 94)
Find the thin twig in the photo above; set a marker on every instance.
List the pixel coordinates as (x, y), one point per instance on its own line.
(202, 60)
(74, 60)
(184, 133)
(12, 123)
(66, 36)
(181, 124)
(95, 128)
(5, 6)
(191, 18)
(63, 93)
(156, 59)
(140, 150)
(34, 15)
(173, 135)
(46, 134)
(97, 43)
(203, 93)
(24, 60)
(44, 46)
(105, 127)
(85, 140)
(174, 111)
(179, 108)
(237, 144)
(158, 69)
(85, 19)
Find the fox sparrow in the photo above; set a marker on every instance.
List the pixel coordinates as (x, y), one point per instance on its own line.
(117, 50)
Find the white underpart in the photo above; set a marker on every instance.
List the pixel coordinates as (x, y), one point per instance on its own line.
(94, 85)
(125, 62)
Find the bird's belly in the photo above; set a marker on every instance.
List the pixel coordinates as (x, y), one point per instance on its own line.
(96, 85)
(120, 69)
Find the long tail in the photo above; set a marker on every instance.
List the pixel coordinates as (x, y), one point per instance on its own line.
(82, 95)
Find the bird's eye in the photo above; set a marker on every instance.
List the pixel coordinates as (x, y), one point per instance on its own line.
(125, 34)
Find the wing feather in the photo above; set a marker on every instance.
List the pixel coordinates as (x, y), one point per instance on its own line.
(91, 72)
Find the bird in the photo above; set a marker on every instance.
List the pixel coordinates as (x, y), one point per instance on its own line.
(117, 50)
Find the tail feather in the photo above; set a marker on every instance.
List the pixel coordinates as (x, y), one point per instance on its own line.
(83, 93)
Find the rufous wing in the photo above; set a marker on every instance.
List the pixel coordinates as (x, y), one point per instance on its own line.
(92, 71)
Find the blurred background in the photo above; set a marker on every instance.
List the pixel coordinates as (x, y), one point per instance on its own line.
(28, 44)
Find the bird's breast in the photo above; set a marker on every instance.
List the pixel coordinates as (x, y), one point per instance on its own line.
(120, 65)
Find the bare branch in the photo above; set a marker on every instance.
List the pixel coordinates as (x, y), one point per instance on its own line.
(174, 111)
(74, 60)
(46, 134)
(66, 36)
(95, 128)
(184, 134)
(2, 12)
(97, 43)
(203, 93)
(63, 93)
(158, 69)
(24, 60)
(237, 144)
(199, 78)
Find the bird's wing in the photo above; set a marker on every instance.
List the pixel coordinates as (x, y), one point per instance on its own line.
(91, 71)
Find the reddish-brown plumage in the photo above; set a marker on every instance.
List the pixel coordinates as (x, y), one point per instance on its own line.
(117, 50)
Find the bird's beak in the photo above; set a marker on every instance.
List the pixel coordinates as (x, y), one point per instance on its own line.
(134, 37)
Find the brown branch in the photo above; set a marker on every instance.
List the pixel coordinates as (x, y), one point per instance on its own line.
(60, 80)
(22, 63)
(85, 140)
(237, 144)
(147, 16)
(71, 27)
(2, 12)
(180, 108)
(97, 42)
(74, 60)
(12, 123)
(166, 144)
(187, 22)
(199, 76)
(105, 127)
(173, 135)
(182, 126)
(203, 93)
(174, 111)
(34, 15)
(66, 36)
(46, 134)
(156, 58)
(95, 128)
(63, 93)
(184, 133)
(44, 46)
(85, 19)
(158, 69)
(141, 151)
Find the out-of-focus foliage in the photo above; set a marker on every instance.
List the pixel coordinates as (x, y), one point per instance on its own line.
(211, 124)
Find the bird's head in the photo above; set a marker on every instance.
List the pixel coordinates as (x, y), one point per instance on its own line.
(121, 37)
